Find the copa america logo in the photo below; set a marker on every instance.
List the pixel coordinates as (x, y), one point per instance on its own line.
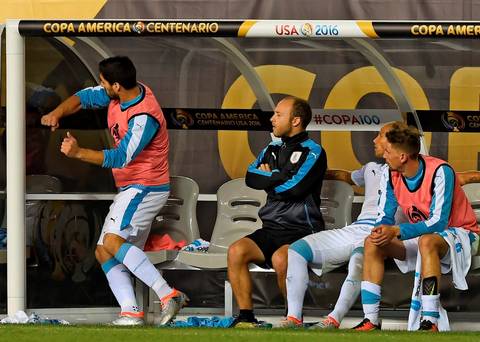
(138, 27)
(453, 122)
(181, 118)
(307, 29)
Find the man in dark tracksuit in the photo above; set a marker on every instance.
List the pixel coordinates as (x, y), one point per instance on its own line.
(291, 172)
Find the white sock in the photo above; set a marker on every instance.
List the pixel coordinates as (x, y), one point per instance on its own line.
(137, 262)
(120, 283)
(161, 287)
(350, 288)
(371, 300)
(297, 283)
(430, 306)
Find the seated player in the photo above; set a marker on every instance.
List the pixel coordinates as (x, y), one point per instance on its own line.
(330, 249)
(442, 226)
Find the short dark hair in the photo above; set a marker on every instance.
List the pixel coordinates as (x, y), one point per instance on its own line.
(119, 69)
(406, 138)
(301, 109)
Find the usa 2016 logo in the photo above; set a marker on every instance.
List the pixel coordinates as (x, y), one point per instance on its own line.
(307, 30)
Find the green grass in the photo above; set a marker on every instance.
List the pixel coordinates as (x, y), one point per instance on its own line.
(18, 333)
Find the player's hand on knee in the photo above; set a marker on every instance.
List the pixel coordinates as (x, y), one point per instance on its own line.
(382, 235)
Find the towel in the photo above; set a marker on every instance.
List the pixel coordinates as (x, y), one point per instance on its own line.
(459, 256)
(157, 242)
(414, 315)
(20, 317)
(213, 322)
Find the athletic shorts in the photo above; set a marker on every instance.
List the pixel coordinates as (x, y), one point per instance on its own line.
(132, 212)
(461, 256)
(333, 248)
(411, 252)
(269, 240)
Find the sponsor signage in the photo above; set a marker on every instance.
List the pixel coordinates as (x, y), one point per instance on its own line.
(253, 28)
(129, 28)
(300, 29)
(429, 29)
(218, 119)
(447, 121)
(258, 120)
(352, 120)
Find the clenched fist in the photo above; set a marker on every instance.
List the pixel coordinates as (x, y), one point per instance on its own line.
(50, 120)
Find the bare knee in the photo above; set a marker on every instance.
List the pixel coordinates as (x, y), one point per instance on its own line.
(431, 243)
(112, 243)
(371, 250)
(101, 254)
(237, 252)
(280, 261)
(425, 242)
(369, 245)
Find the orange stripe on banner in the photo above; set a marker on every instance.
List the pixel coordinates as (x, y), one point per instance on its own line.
(367, 28)
(245, 27)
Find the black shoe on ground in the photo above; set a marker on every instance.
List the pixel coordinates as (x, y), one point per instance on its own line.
(426, 325)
